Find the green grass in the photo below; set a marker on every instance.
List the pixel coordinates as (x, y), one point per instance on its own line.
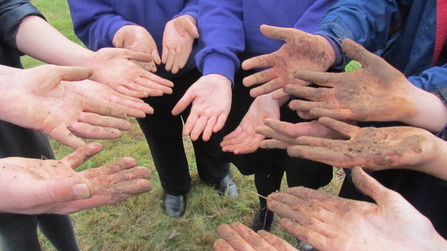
(140, 223)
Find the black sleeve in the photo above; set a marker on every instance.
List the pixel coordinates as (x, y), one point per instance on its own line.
(12, 12)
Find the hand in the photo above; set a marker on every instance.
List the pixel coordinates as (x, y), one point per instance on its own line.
(301, 51)
(374, 148)
(35, 99)
(138, 39)
(211, 103)
(178, 39)
(244, 139)
(34, 186)
(284, 134)
(239, 237)
(112, 66)
(328, 222)
(358, 95)
(88, 89)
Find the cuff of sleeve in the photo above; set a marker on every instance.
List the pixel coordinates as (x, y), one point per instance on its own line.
(11, 21)
(219, 64)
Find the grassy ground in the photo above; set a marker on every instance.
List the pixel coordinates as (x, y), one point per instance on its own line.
(140, 223)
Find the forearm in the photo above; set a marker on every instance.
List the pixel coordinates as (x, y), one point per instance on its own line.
(40, 40)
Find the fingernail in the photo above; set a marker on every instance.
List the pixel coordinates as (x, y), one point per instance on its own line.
(81, 191)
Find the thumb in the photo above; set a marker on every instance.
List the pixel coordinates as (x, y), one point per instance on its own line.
(72, 73)
(359, 53)
(370, 186)
(64, 189)
(192, 30)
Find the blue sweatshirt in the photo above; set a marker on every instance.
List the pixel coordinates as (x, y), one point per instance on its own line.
(402, 32)
(230, 29)
(96, 21)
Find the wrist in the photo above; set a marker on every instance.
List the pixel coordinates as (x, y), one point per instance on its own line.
(431, 111)
(330, 49)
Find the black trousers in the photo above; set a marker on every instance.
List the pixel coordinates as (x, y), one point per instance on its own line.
(426, 193)
(19, 232)
(269, 166)
(164, 135)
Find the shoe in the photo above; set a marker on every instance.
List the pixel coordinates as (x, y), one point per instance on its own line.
(263, 220)
(174, 205)
(227, 186)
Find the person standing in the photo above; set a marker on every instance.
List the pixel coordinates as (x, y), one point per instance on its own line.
(166, 28)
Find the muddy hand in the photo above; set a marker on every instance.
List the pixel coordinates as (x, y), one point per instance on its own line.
(331, 223)
(377, 92)
(301, 51)
(281, 134)
(371, 148)
(239, 237)
(35, 186)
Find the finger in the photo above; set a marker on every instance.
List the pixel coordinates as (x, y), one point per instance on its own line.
(135, 94)
(198, 127)
(258, 77)
(175, 64)
(303, 105)
(220, 122)
(326, 155)
(181, 105)
(164, 54)
(104, 121)
(71, 73)
(279, 94)
(222, 245)
(273, 144)
(192, 30)
(232, 138)
(252, 238)
(275, 32)
(170, 60)
(319, 78)
(359, 53)
(151, 87)
(275, 241)
(106, 181)
(63, 189)
(138, 56)
(183, 58)
(326, 202)
(284, 130)
(309, 93)
(370, 186)
(156, 80)
(114, 194)
(155, 55)
(341, 127)
(233, 238)
(313, 238)
(78, 157)
(62, 134)
(268, 87)
(109, 168)
(306, 214)
(339, 114)
(262, 61)
(133, 107)
(209, 129)
(93, 132)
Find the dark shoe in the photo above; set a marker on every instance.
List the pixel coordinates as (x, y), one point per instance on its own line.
(174, 205)
(263, 220)
(227, 186)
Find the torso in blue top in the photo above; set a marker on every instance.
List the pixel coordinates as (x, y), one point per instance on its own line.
(96, 21)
